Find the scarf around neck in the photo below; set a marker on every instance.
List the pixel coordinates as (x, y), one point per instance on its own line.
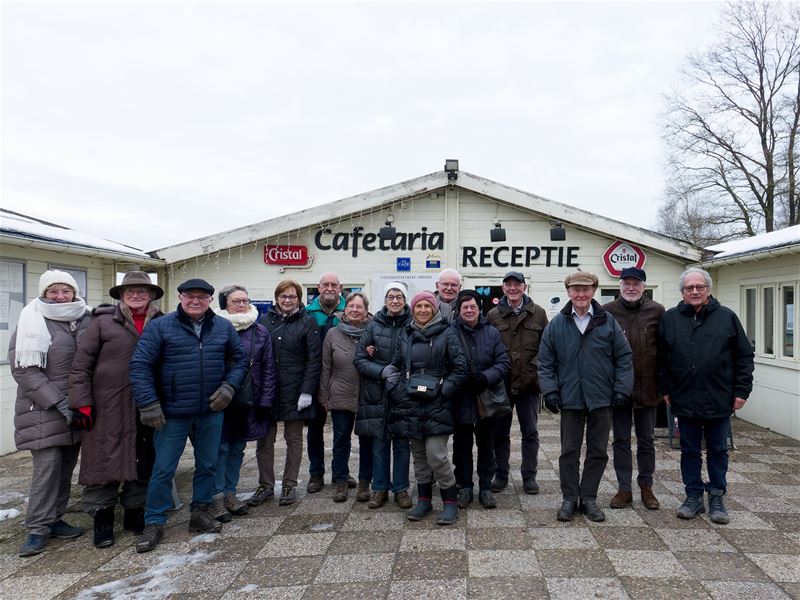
(33, 337)
(352, 330)
(240, 321)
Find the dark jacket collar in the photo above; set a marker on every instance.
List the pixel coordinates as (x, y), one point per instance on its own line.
(686, 309)
(458, 322)
(504, 307)
(384, 318)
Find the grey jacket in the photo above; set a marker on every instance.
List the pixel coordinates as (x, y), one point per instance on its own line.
(339, 380)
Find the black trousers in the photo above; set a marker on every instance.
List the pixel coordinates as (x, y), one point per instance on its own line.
(527, 407)
(483, 432)
(597, 425)
(644, 421)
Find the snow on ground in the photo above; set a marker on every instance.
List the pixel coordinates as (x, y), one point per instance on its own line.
(774, 239)
(8, 513)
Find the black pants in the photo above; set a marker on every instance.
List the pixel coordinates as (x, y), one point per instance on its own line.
(315, 442)
(483, 432)
(527, 406)
(644, 420)
(597, 425)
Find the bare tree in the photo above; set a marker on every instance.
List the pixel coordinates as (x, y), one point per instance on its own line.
(732, 131)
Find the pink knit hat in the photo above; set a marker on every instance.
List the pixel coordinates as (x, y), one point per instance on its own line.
(427, 296)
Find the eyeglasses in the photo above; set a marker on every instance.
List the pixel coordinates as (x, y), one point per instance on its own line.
(691, 288)
(395, 298)
(287, 297)
(193, 297)
(449, 285)
(135, 292)
(240, 302)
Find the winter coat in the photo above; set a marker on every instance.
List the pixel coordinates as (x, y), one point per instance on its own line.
(297, 351)
(119, 447)
(324, 321)
(171, 364)
(242, 425)
(521, 333)
(486, 354)
(383, 332)
(640, 322)
(705, 360)
(37, 422)
(585, 369)
(339, 380)
(436, 351)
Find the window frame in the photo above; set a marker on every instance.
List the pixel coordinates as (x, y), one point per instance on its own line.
(9, 330)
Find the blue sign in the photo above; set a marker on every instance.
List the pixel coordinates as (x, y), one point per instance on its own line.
(404, 263)
(432, 264)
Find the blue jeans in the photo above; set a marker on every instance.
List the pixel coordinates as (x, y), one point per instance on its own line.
(229, 463)
(400, 451)
(169, 444)
(716, 433)
(343, 422)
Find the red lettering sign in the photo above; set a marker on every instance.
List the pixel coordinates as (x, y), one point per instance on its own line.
(623, 255)
(285, 255)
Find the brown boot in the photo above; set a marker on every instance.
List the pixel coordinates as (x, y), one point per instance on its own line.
(340, 491)
(648, 498)
(362, 493)
(621, 499)
(378, 499)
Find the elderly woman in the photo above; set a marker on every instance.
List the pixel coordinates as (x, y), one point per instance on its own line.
(433, 369)
(243, 423)
(376, 348)
(118, 454)
(296, 348)
(338, 393)
(40, 352)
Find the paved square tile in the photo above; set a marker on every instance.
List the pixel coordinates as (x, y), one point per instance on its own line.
(506, 588)
(495, 518)
(694, 540)
(646, 563)
(439, 564)
(643, 588)
(279, 572)
(722, 566)
(437, 539)
(757, 541)
(429, 588)
(38, 587)
(365, 542)
(780, 567)
(302, 544)
(287, 592)
(506, 538)
(567, 563)
(252, 527)
(635, 538)
(374, 520)
(744, 590)
(511, 563)
(600, 588)
(341, 568)
(562, 539)
(619, 518)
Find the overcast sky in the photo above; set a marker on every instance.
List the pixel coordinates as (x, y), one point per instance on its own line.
(152, 123)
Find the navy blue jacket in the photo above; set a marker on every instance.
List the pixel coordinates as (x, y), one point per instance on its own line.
(172, 365)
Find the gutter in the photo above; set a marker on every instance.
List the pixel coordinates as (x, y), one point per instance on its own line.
(90, 252)
(755, 256)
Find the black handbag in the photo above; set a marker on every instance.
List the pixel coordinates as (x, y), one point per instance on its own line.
(243, 398)
(421, 385)
(493, 401)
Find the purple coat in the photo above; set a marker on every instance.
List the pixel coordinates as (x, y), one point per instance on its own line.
(242, 425)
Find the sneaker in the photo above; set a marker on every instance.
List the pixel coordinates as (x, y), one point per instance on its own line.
(403, 499)
(499, 484)
(261, 494)
(218, 511)
(465, 497)
(151, 536)
(340, 491)
(34, 544)
(362, 493)
(378, 499)
(691, 507)
(487, 499)
(351, 483)
(287, 496)
(530, 486)
(202, 520)
(567, 510)
(648, 498)
(621, 499)
(233, 505)
(315, 484)
(591, 510)
(716, 508)
(64, 531)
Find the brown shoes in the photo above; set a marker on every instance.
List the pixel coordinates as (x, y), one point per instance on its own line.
(648, 498)
(402, 499)
(621, 499)
(378, 499)
(340, 491)
(362, 493)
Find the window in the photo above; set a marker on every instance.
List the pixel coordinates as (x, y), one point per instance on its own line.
(750, 315)
(12, 300)
(78, 274)
(769, 320)
(787, 321)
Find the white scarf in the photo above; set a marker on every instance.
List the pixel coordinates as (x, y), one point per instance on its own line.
(240, 321)
(33, 337)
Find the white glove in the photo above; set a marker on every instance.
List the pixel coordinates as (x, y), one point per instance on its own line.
(303, 402)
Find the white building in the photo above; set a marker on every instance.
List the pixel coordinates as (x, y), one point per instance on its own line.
(28, 248)
(759, 278)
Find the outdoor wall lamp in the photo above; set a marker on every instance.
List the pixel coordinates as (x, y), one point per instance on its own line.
(557, 233)
(388, 231)
(498, 234)
(451, 168)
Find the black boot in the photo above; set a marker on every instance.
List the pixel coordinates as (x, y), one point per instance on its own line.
(104, 527)
(449, 515)
(134, 520)
(423, 506)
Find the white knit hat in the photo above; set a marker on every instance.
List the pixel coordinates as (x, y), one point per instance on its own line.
(395, 285)
(48, 278)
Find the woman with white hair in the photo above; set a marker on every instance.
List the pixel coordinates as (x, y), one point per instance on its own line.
(41, 352)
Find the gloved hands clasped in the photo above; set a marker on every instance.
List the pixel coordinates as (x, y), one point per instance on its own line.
(390, 374)
(552, 402)
(221, 398)
(478, 382)
(620, 400)
(62, 406)
(303, 402)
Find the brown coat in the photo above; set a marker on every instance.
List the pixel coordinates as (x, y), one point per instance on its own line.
(521, 334)
(640, 323)
(37, 422)
(339, 380)
(116, 449)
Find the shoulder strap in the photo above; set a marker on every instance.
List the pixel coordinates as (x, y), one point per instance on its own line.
(467, 351)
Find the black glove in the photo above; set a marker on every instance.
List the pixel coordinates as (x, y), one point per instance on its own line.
(619, 400)
(552, 402)
(478, 382)
(261, 413)
(83, 418)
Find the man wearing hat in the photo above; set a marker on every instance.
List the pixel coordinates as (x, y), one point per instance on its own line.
(521, 323)
(585, 368)
(639, 317)
(185, 370)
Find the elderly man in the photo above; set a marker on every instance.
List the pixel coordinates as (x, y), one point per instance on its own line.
(585, 368)
(184, 372)
(639, 318)
(705, 372)
(521, 323)
(324, 311)
(447, 287)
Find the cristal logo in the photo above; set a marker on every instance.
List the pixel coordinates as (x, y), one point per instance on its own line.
(285, 255)
(623, 255)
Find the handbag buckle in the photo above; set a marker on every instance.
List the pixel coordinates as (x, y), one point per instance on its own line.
(422, 388)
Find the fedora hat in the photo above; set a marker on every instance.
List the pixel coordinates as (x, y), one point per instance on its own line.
(135, 279)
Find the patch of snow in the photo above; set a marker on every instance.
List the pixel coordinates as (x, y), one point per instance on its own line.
(250, 587)
(773, 239)
(7, 497)
(321, 527)
(8, 513)
(203, 538)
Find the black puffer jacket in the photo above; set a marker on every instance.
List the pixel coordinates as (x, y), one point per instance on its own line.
(488, 356)
(436, 351)
(704, 360)
(382, 332)
(298, 359)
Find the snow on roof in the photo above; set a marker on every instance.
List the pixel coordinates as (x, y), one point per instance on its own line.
(18, 224)
(757, 243)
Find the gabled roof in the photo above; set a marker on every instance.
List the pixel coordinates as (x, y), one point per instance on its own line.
(19, 229)
(783, 241)
(386, 196)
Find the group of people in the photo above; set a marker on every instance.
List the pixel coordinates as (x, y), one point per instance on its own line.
(130, 385)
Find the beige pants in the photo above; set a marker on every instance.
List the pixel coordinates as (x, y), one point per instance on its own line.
(265, 454)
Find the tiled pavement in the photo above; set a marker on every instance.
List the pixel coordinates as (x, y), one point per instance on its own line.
(321, 549)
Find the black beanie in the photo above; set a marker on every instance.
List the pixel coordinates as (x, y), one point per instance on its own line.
(466, 295)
